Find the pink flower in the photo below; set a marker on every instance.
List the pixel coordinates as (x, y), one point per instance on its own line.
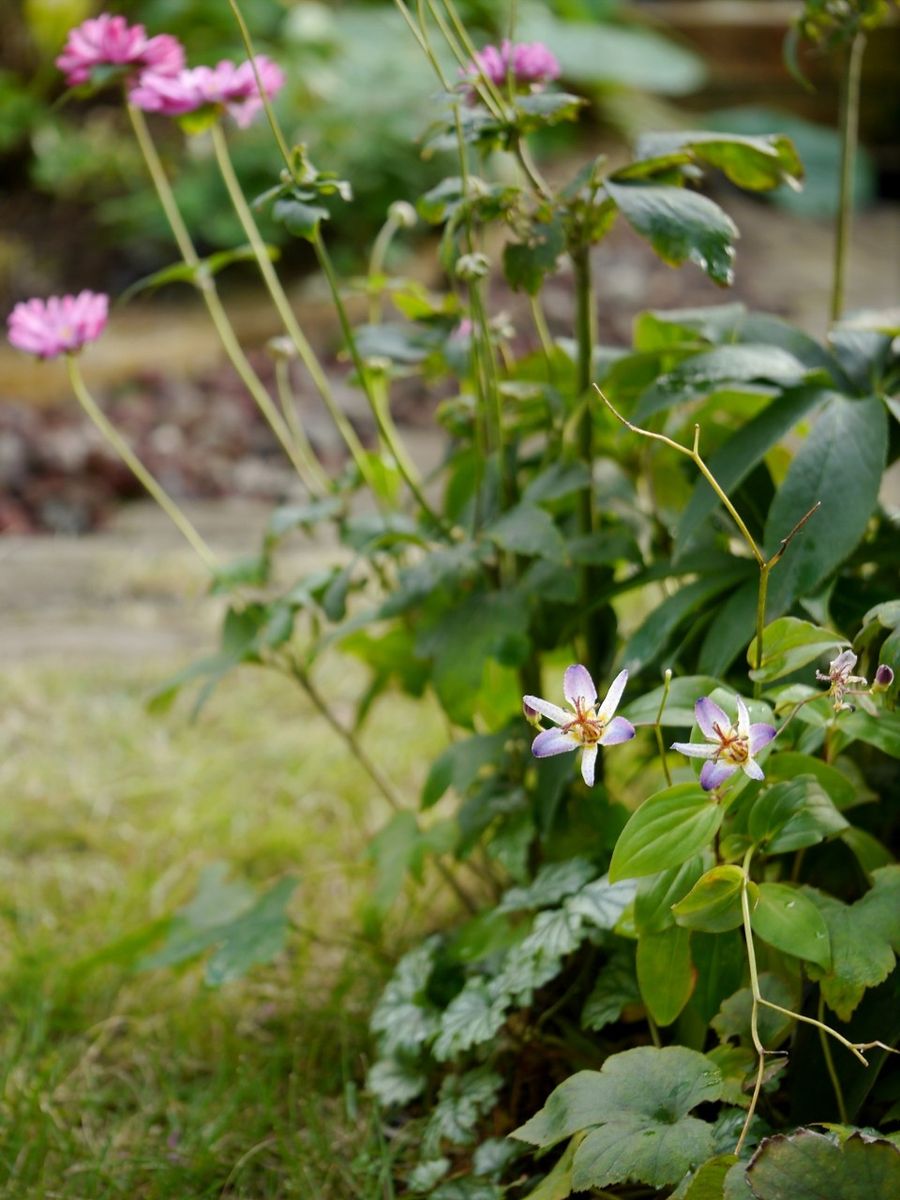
(530, 64)
(58, 325)
(108, 41)
(226, 85)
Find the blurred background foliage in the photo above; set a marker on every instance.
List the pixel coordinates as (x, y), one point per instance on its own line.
(357, 94)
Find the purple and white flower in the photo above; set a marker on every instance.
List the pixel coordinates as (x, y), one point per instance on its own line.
(728, 747)
(840, 679)
(588, 726)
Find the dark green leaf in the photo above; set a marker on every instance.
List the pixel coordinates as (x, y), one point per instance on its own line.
(713, 904)
(793, 814)
(758, 163)
(680, 226)
(529, 530)
(665, 972)
(615, 989)
(882, 731)
(657, 893)
(813, 1166)
(298, 217)
(789, 644)
(666, 830)
(553, 882)
(839, 464)
(789, 921)
(459, 765)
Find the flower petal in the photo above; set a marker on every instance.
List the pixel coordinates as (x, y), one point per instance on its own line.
(613, 696)
(695, 749)
(553, 741)
(843, 664)
(709, 714)
(760, 735)
(552, 712)
(715, 773)
(588, 762)
(743, 720)
(617, 731)
(578, 687)
(753, 769)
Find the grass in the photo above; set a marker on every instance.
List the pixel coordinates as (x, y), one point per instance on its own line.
(148, 1084)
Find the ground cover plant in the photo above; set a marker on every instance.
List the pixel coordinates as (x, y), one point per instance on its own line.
(673, 972)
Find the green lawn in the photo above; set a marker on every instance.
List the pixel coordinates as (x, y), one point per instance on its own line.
(149, 1084)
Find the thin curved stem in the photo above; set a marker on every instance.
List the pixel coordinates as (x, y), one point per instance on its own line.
(318, 482)
(830, 1067)
(283, 305)
(137, 468)
(274, 125)
(657, 725)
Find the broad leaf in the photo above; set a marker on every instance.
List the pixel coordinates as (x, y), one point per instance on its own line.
(839, 464)
(789, 644)
(882, 731)
(462, 1101)
(789, 921)
(786, 765)
(792, 815)
(665, 972)
(616, 988)
(666, 830)
(553, 882)
(656, 894)
(680, 226)
(529, 530)
(459, 765)
(472, 1017)
(812, 1166)
(684, 692)
(713, 904)
(602, 903)
(758, 163)
(396, 1081)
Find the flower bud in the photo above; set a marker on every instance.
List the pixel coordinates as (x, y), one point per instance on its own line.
(470, 267)
(281, 347)
(403, 215)
(884, 677)
(531, 714)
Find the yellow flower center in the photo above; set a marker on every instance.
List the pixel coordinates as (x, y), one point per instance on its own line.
(733, 748)
(587, 726)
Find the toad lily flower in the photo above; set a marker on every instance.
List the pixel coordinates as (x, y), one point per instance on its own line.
(840, 679)
(588, 727)
(727, 747)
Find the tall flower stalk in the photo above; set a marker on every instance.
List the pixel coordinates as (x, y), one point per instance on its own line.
(851, 82)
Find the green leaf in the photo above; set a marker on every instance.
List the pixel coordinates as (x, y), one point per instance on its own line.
(864, 938)
(684, 693)
(558, 1184)
(882, 731)
(404, 1019)
(708, 1182)
(401, 847)
(665, 972)
(680, 226)
(666, 830)
(657, 893)
(788, 764)
(789, 921)
(615, 989)
(462, 1101)
(659, 1085)
(839, 464)
(714, 902)
(396, 1081)
(792, 815)
(428, 1174)
(736, 458)
(702, 374)
(537, 110)
(553, 882)
(472, 1017)
(641, 1150)
(733, 1018)
(813, 1166)
(529, 530)
(560, 479)
(789, 644)
(526, 264)
(757, 163)
(602, 903)
(460, 764)
(298, 217)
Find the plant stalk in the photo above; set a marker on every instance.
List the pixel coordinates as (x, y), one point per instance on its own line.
(851, 80)
(137, 468)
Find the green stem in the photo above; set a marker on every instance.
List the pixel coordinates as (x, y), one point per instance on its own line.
(657, 725)
(137, 468)
(274, 125)
(761, 598)
(376, 267)
(851, 80)
(207, 288)
(318, 481)
(283, 305)
(830, 1067)
(584, 335)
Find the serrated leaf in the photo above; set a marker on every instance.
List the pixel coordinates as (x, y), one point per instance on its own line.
(404, 1018)
(813, 1166)
(616, 988)
(462, 1101)
(680, 226)
(839, 464)
(665, 972)
(553, 882)
(733, 1018)
(789, 644)
(787, 920)
(471, 1018)
(713, 904)
(666, 830)
(602, 903)
(792, 815)
(396, 1081)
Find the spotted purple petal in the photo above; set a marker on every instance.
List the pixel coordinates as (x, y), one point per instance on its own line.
(588, 763)
(612, 697)
(715, 773)
(578, 687)
(709, 714)
(760, 735)
(552, 712)
(553, 741)
(617, 731)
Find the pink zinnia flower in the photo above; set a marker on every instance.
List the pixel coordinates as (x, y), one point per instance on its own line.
(58, 325)
(530, 64)
(108, 41)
